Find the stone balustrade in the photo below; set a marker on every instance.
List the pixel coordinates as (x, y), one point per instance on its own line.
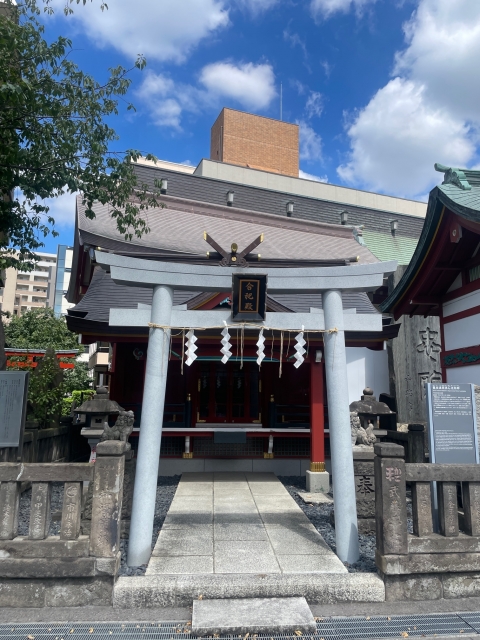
(69, 569)
(425, 564)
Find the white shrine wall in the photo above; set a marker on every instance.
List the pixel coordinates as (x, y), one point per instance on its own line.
(366, 368)
(469, 374)
(461, 334)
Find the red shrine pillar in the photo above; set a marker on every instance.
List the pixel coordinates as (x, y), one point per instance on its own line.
(317, 478)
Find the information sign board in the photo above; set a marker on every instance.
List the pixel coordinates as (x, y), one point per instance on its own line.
(13, 407)
(452, 423)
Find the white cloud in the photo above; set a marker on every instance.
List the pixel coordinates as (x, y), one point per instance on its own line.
(443, 51)
(255, 7)
(310, 142)
(314, 105)
(309, 176)
(166, 30)
(398, 136)
(62, 209)
(252, 85)
(429, 112)
(167, 100)
(295, 41)
(326, 8)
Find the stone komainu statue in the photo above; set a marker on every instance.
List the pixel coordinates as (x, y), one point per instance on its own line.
(122, 428)
(359, 434)
(355, 425)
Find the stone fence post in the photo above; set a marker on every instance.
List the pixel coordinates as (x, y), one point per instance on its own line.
(107, 499)
(416, 443)
(390, 499)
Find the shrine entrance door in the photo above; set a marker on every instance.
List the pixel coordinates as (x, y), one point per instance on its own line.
(228, 393)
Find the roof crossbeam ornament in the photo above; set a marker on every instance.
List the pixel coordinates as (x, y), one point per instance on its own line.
(453, 176)
(234, 258)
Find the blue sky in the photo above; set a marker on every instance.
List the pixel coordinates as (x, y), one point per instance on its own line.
(381, 89)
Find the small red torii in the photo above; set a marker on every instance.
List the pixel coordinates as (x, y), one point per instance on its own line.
(32, 355)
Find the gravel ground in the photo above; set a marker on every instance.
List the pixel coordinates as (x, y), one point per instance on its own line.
(319, 516)
(166, 487)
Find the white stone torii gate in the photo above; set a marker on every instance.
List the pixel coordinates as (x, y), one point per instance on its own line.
(163, 278)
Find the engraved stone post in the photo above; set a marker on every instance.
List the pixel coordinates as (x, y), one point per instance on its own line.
(471, 505)
(9, 499)
(71, 512)
(422, 509)
(448, 508)
(416, 360)
(390, 499)
(40, 511)
(107, 499)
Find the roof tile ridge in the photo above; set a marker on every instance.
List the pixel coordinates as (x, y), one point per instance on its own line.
(272, 219)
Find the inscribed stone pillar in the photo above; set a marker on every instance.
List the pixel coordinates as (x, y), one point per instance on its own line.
(107, 499)
(414, 360)
(390, 499)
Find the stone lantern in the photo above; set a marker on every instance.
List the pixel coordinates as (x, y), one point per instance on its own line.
(368, 408)
(97, 411)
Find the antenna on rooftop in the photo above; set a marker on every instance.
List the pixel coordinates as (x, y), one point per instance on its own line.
(281, 100)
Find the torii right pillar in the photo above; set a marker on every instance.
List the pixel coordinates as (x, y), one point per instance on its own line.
(346, 527)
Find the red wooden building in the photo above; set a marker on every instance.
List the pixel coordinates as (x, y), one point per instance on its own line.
(443, 277)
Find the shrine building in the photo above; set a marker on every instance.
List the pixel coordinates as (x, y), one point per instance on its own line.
(443, 278)
(245, 204)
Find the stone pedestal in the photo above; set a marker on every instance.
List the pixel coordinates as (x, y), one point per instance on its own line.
(364, 488)
(128, 484)
(363, 471)
(318, 481)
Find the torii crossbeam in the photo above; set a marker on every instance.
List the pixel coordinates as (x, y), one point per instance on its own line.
(163, 278)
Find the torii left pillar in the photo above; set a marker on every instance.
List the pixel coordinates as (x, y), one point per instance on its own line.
(318, 479)
(148, 457)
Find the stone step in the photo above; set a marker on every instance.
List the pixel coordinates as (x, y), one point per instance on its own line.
(170, 590)
(252, 615)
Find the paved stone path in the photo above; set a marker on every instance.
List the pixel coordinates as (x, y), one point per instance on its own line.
(238, 523)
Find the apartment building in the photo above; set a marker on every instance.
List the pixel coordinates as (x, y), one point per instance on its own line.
(62, 279)
(25, 290)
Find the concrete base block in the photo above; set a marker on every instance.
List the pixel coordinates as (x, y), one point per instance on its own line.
(463, 585)
(252, 615)
(318, 481)
(413, 587)
(279, 466)
(74, 592)
(79, 593)
(22, 593)
(179, 591)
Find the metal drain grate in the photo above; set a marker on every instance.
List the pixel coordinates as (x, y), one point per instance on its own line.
(472, 619)
(338, 628)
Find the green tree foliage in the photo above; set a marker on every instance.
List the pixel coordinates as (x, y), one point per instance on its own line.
(46, 389)
(40, 329)
(77, 379)
(54, 137)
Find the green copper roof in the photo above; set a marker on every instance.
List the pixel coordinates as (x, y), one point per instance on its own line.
(459, 193)
(387, 247)
(460, 190)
